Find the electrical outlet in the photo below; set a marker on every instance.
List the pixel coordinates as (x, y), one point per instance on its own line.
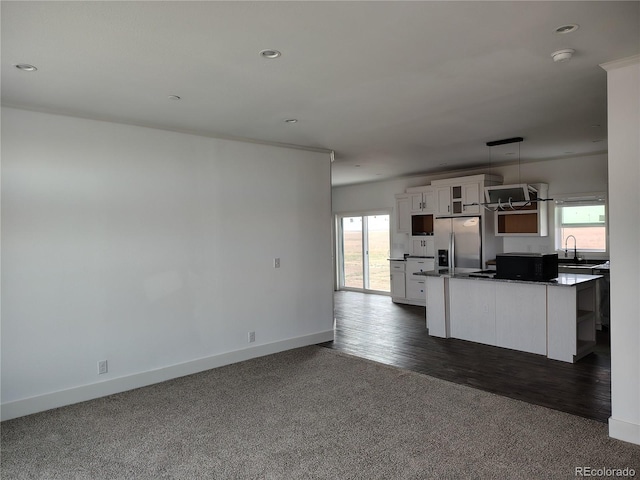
(102, 367)
(276, 263)
(252, 337)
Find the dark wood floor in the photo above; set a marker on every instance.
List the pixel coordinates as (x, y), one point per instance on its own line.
(372, 327)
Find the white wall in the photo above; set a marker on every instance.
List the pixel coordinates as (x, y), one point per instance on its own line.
(153, 250)
(623, 94)
(564, 176)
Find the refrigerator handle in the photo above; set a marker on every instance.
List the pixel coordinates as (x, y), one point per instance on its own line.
(452, 253)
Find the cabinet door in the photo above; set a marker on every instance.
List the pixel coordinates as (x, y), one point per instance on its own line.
(416, 202)
(403, 214)
(471, 194)
(521, 317)
(443, 200)
(416, 290)
(397, 285)
(418, 247)
(428, 201)
(473, 310)
(430, 249)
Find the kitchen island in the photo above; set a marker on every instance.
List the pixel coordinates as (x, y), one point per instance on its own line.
(555, 318)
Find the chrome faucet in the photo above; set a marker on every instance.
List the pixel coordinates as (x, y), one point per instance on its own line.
(575, 247)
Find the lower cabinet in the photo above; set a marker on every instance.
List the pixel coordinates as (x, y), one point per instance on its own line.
(521, 317)
(572, 321)
(398, 287)
(416, 290)
(555, 320)
(502, 314)
(407, 287)
(437, 307)
(473, 311)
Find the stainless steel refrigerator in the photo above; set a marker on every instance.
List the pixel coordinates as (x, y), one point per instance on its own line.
(458, 243)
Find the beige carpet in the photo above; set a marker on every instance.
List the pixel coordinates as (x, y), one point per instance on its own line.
(307, 413)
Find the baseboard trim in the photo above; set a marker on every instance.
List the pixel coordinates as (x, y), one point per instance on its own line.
(628, 432)
(40, 403)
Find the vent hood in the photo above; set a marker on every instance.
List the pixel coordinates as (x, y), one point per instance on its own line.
(505, 194)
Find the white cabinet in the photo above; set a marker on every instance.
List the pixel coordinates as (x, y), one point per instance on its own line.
(416, 284)
(526, 219)
(443, 200)
(572, 321)
(521, 317)
(416, 265)
(471, 195)
(422, 200)
(417, 291)
(556, 320)
(438, 306)
(403, 213)
(462, 195)
(423, 246)
(398, 291)
(508, 315)
(458, 199)
(472, 314)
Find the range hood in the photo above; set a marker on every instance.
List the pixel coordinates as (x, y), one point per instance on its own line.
(503, 195)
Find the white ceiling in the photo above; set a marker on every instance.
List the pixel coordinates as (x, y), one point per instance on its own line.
(394, 88)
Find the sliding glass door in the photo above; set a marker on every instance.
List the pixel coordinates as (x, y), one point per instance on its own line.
(364, 250)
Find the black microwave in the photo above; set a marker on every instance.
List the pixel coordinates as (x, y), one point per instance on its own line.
(536, 267)
(421, 224)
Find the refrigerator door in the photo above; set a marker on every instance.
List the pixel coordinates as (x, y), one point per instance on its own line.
(468, 243)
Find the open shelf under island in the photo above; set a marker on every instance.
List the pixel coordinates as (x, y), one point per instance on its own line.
(556, 318)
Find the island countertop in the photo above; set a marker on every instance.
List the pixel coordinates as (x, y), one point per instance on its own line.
(563, 280)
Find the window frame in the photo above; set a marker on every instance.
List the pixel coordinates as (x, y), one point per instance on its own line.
(576, 200)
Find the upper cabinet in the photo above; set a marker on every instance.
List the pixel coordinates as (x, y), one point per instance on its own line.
(417, 201)
(461, 196)
(403, 213)
(526, 219)
(422, 200)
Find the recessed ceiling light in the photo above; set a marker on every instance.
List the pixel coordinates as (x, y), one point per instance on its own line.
(25, 67)
(357, 165)
(291, 120)
(270, 53)
(174, 97)
(572, 27)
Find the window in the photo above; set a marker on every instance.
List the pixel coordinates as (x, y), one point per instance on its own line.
(583, 218)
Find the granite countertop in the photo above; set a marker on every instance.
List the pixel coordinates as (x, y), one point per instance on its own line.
(399, 259)
(563, 280)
